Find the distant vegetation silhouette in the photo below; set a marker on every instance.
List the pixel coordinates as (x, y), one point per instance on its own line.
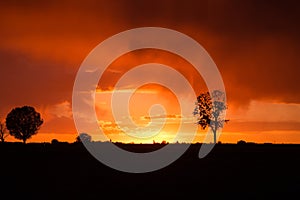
(210, 110)
(3, 131)
(241, 142)
(54, 141)
(83, 137)
(23, 122)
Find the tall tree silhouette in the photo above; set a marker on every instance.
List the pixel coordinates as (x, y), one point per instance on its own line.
(3, 131)
(210, 110)
(23, 122)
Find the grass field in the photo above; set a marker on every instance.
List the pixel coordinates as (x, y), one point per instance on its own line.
(68, 171)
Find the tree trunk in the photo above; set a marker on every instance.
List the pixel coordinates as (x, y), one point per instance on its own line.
(24, 141)
(215, 136)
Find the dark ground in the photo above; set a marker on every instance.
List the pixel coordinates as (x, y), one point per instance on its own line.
(68, 171)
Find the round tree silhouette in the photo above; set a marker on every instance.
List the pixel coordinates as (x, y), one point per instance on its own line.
(23, 122)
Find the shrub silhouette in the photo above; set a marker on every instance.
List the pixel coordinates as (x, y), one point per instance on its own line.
(241, 142)
(23, 122)
(54, 141)
(3, 131)
(83, 137)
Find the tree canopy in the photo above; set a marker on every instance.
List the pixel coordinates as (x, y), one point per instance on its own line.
(23, 122)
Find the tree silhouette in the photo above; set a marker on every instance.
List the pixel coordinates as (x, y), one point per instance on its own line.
(54, 141)
(83, 137)
(3, 131)
(23, 122)
(210, 110)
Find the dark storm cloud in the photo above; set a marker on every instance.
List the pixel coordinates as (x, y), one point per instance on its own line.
(28, 81)
(254, 43)
(257, 54)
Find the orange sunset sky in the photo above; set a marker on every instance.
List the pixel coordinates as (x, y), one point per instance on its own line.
(253, 43)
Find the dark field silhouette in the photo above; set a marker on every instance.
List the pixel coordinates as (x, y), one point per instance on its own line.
(68, 171)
